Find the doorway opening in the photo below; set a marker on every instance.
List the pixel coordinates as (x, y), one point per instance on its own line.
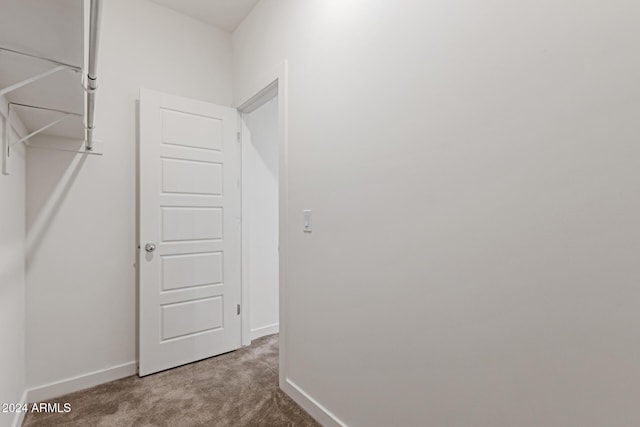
(262, 109)
(260, 213)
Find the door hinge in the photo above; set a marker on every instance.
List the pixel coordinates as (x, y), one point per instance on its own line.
(238, 311)
(238, 136)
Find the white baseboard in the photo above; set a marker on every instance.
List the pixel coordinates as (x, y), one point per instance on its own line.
(81, 382)
(19, 417)
(265, 330)
(309, 404)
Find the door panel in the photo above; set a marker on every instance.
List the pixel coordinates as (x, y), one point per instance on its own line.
(191, 223)
(184, 271)
(189, 177)
(192, 130)
(186, 318)
(190, 210)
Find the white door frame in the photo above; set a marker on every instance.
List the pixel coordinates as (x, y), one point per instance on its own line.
(270, 83)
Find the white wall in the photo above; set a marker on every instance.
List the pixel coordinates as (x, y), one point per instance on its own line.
(473, 173)
(12, 275)
(81, 212)
(260, 218)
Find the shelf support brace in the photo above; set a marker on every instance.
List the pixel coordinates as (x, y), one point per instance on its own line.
(31, 80)
(41, 58)
(43, 128)
(6, 130)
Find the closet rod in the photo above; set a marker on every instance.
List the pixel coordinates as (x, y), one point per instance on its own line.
(91, 82)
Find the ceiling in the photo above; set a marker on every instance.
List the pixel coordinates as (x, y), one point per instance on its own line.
(225, 14)
(50, 29)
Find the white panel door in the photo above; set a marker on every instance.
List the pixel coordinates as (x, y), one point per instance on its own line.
(189, 219)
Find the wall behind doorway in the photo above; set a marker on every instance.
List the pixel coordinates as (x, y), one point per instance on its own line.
(260, 222)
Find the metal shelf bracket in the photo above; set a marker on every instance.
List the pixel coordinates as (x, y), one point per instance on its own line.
(59, 66)
(7, 144)
(30, 80)
(7, 124)
(90, 85)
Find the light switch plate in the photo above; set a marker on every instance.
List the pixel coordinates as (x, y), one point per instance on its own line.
(307, 226)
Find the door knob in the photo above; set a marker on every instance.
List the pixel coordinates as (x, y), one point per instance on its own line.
(149, 247)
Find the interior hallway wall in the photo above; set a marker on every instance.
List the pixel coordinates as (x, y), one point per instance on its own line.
(261, 215)
(473, 173)
(12, 275)
(81, 212)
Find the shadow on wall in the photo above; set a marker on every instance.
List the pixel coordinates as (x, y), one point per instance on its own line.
(56, 179)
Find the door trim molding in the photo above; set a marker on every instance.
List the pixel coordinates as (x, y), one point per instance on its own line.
(263, 87)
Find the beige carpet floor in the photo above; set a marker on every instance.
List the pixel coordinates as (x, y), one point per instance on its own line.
(235, 389)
